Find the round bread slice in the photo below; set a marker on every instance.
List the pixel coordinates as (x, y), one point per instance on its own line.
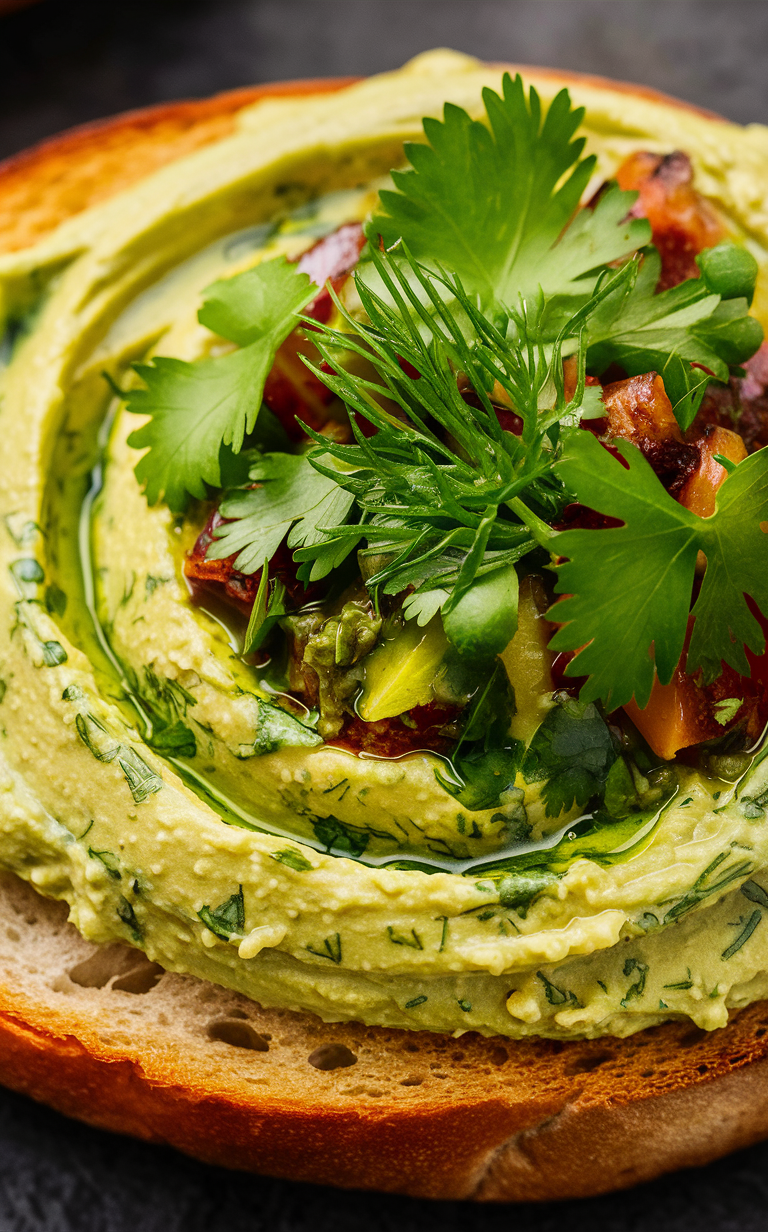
(102, 1034)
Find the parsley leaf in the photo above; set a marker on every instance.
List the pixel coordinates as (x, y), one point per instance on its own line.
(292, 496)
(629, 588)
(196, 408)
(495, 203)
(643, 331)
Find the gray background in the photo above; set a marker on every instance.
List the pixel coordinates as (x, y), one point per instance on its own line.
(65, 63)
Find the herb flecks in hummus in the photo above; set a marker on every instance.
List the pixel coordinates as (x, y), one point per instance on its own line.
(385, 637)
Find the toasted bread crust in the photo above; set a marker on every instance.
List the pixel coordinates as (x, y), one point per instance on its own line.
(409, 1112)
(418, 1114)
(43, 186)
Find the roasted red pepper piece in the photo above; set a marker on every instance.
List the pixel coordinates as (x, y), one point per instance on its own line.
(238, 590)
(683, 223)
(291, 391)
(683, 713)
(331, 260)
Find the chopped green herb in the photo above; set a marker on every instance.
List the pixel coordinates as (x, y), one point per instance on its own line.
(292, 859)
(634, 965)
(727, 709)
(228, 918)
(27, 570)
(55, 600)
(703, 886)
(335, 835)
(497, 203)
(651, 562)
(411, 1005)
(108, 859)
(331, 948)
(127, 914)
(200, 411)
(744, 935)
(413, 940)
(755, 893)
(572, 752)
(293, 499)
(466, 1006)
(151, 584)
(176, 740)
(53, 654)
(555, 995)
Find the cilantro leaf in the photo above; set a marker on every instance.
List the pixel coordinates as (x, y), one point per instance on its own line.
(492, 203)
(196, 408)
(292, 496)
(735, 543)
(572, 750)
(629, 588)
(643, 331)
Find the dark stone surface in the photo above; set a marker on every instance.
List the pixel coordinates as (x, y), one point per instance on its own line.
(64, 63)
(56, 1176)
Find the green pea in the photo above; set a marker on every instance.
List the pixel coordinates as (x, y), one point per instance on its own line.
(729, 270)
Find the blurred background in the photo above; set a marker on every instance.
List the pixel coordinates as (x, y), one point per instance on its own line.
(65, 62)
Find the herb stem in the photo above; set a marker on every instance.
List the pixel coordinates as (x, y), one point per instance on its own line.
(540, 530)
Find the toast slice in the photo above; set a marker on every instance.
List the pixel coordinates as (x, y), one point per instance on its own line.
(102, 1034)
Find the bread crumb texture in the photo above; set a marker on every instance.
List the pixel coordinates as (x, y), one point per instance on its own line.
(102, 1034)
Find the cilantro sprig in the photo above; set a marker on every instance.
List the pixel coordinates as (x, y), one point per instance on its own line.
(200, 410)
(630, 587)
(496, 201)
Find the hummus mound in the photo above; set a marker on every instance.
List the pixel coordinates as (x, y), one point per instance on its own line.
(247, 851)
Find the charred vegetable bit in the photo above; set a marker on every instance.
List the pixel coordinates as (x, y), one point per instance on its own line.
(503, 399)
(683, 223)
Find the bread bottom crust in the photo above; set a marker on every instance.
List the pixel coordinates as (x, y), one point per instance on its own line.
(103, 1035)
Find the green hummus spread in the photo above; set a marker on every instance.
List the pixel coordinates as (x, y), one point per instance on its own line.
(152, 775)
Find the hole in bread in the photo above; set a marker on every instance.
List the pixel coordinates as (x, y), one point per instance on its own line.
(237, 1034)
(139, 981)
(648, 1073)
(585, 1065)
(106, 963)
(332, 1056)
(760, 1032)
(692, 1038)
(412, 1048)
(499, 1055)
(237, 1014)
(13, 934)
(412, 1080)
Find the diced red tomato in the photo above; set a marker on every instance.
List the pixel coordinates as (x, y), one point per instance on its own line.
(683, 222)
(428, 727)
